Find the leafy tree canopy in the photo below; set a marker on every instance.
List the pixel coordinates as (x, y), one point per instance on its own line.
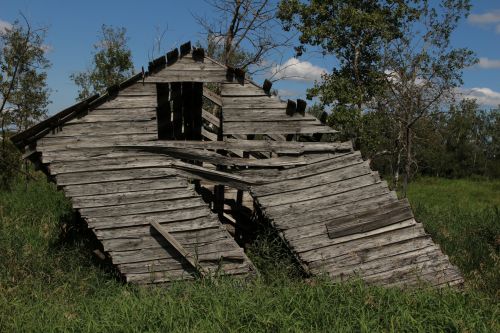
(111, 63)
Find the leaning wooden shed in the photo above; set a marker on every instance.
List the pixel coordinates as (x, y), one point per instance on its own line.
(138, 162)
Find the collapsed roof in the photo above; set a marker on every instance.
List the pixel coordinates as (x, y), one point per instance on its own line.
(133, 160)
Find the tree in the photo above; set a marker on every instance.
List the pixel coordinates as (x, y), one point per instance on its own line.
(423, 70)
(23, 87)
(245, 33)
(111, 63)
(353, 32)
(394, 58)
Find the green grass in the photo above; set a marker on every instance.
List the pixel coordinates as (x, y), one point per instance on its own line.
(463, 216)
(49, 282)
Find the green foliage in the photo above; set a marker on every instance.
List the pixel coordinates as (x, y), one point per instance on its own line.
(23, 90)
(111, 63)
(10, 164)
(49, 283)
(215, 49)
(23, 76)
(353, 32)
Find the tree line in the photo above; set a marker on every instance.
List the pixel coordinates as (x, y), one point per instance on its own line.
(391, 91)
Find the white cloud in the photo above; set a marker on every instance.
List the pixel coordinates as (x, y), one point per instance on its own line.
(4, 25)
(489, 63)
(294, 69)
(484, 96)
(287, 93)
(486, 19)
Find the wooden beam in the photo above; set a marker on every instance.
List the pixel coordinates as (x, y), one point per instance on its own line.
(198, 54)
(267, 86)
(178, 247)
(370, 220)
(172, 56)
(212, 96)
(185, 49)
(291, 106)
(301, 106)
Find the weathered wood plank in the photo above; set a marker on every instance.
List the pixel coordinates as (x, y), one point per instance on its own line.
(214, 76)
(200, 227)
(285, 127)
(118, 127)
(56, 143)
(327, 177)
(353, 259)
(212, 96)
(321, 215)
(251, 116)
(130, 102)
(370, 220)
(86, 154)
(145, 116)
(386, 264)
(208, 135)
(217, 159)
(142, 207)
(355, 194)
(132, 197)
(179, 248)
(120, 112)
(93, 177)
(308, 243)
(311, 193)
(165, 265)
(210, 118)
(152, 241)
(124, 186)
(211, 252)
(390, 237)
(139, 89)
(104, 164)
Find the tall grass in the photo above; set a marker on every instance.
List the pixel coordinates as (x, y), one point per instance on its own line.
(49, 283)
(463, 216)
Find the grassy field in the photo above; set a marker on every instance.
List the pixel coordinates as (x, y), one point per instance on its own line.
(49, 281)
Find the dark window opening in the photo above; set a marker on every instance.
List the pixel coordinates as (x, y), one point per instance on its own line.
(179, 110)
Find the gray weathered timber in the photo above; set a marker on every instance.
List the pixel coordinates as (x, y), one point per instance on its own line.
(127, 186)
(130, 197)
(369, 220)
(188, 76)
(182, 251)
(136, 191)
(130, 102)
(285, 127)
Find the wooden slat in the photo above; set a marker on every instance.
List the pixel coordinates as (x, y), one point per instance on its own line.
(183, 252)
(369, 220)
(127, 186)
(212, 96)
(210, 118)
(214, 76)
(285, 127)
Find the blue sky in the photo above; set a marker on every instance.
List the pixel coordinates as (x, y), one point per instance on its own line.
(74, 26)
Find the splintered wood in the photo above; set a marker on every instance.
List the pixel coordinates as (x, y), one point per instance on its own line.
(138, 193)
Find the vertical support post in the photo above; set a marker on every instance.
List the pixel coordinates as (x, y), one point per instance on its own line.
(219, 189)
(163, 112)
(187, 109)
(197, 103)
(176, 97)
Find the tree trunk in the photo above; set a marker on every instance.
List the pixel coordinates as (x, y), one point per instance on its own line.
(407, 162)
